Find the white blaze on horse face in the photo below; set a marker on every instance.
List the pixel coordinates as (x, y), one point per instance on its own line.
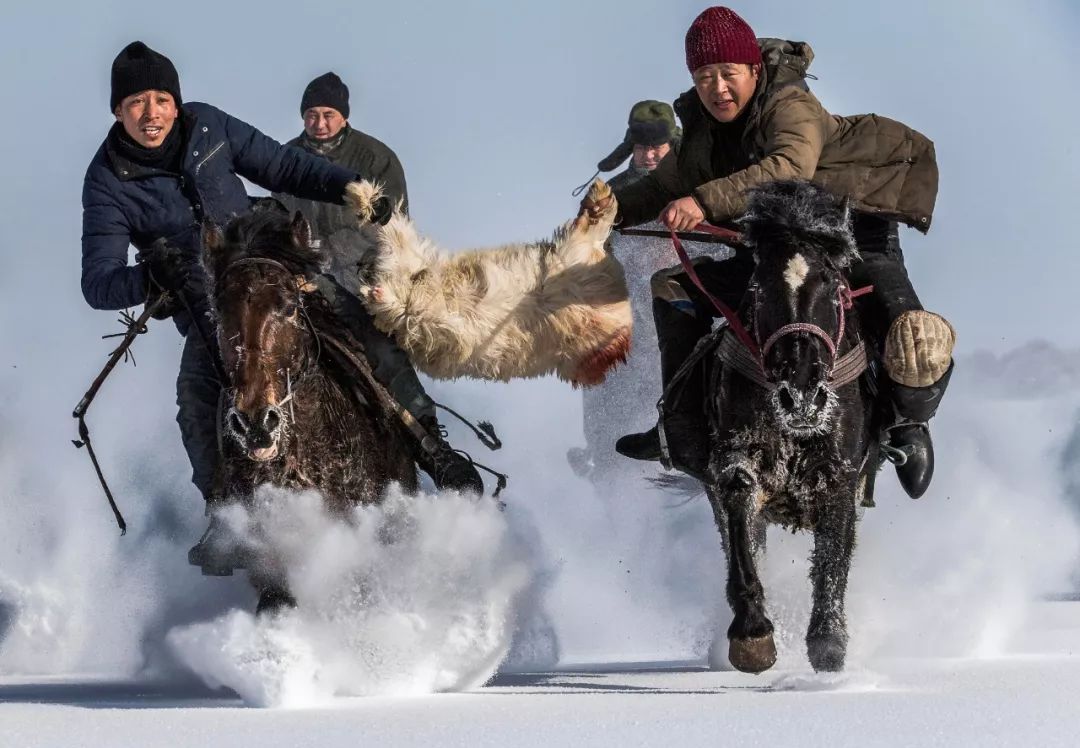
(796, 273)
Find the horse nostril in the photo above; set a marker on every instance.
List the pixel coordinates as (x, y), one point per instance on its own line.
(271, 419)
(787, 402)
(237, 422)
(821, 399)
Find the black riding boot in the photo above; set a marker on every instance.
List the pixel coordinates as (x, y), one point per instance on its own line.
(217, 552)
(910, 436)
(448, 468)
(197, 393)
(685, 424)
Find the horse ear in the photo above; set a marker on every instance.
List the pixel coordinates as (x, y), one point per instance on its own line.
(846, 211)
(301, 231)
(212, 238)
(851, 249)
(303, 285)
(213, 242)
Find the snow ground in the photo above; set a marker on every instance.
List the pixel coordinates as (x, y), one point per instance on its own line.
(1028, 697)
(112, 641)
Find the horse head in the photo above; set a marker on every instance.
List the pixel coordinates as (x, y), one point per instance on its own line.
(803, 244)
(259, 269)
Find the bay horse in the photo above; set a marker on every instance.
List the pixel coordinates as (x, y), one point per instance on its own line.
(301, 410)
(792, 416)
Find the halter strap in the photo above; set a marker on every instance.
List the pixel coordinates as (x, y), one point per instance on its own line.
(243, 261)
(290, 391)
(845, 300)
(749, 357)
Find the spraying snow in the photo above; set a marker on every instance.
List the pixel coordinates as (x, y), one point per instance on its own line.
(413, 596)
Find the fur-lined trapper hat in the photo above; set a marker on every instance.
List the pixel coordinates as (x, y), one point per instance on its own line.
(651, 123)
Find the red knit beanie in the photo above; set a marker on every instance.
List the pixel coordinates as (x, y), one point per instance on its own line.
(720, 35)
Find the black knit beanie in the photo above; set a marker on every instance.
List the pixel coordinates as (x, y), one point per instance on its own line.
(326, 90)
(139, 68)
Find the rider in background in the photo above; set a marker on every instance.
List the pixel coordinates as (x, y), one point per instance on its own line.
(750, 119)
(328, 135)
(612, 408)
(651, 133)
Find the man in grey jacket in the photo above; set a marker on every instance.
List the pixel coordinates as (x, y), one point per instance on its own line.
(328, 136)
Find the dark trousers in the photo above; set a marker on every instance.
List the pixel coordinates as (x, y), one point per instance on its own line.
(197, 393)
(198, 388)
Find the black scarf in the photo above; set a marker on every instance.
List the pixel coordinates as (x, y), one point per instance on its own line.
(324, 147)
(166, 157)
(728, 150)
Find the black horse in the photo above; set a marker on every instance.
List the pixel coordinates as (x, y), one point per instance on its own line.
(792, 416)
(301, 409)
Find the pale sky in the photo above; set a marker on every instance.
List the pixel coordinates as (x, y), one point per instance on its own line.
(498, 110)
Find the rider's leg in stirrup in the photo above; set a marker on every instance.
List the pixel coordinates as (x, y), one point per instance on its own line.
(680, 324)
(197, 393)
(391, 366)
(917, 352)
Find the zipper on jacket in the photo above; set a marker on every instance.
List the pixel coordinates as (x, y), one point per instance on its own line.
(209, 155)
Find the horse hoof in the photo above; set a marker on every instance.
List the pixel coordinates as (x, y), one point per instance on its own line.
(826, 654)
(596, 205)
(273, 601)
(752, 655)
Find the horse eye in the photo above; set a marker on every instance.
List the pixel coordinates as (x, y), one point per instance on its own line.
(289, 310)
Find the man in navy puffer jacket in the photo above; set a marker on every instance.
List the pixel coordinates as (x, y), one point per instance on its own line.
(165, 167)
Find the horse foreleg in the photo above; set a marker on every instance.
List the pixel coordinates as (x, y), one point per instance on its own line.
(834, 541)
(273, 600)
(751, 648)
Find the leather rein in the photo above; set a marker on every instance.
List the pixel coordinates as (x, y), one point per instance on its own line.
(745, 352)
(290, 385)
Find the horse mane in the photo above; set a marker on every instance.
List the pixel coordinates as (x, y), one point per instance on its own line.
(800, 212)
(267, 230)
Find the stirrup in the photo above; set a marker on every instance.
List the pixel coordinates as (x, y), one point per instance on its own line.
(213, 561)
(437, 452)
(898, 456)
(665, 451)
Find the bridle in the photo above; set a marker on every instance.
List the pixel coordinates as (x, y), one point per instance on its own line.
(845, 301)
(746, 353)
(290, 386)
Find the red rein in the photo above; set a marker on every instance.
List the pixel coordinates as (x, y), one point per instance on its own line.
(733, 320)
(846, 298)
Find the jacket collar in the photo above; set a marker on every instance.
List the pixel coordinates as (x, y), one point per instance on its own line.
(126, 170)
(325, 148)
(784, 64)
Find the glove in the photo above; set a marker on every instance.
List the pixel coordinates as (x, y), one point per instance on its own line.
(170, 306)
(166, 265)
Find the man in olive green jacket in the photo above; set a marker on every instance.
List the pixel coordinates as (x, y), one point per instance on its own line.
(327, 134)
(750, 119)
